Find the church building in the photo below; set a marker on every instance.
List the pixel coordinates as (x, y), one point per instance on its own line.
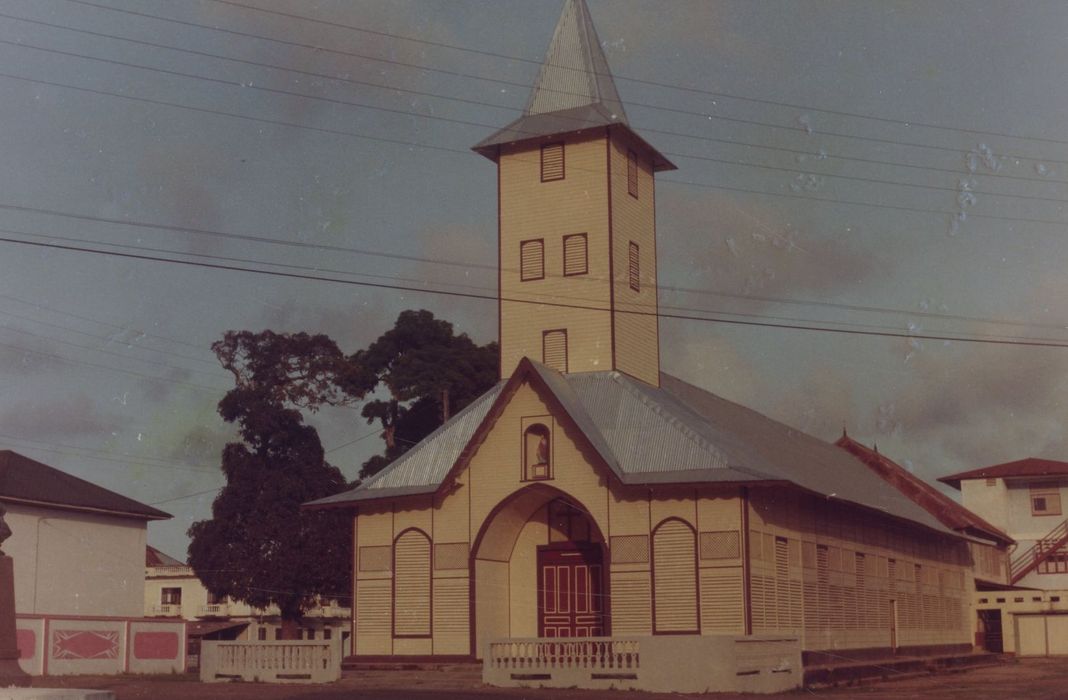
(590, 493)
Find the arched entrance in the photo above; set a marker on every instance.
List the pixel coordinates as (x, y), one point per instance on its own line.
(539, 569)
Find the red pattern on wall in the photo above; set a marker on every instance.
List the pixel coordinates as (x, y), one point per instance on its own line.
(155, 645)
(27, 643)
(85, 644)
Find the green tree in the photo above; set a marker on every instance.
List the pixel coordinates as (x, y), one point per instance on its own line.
(430, 373)
(259, 546)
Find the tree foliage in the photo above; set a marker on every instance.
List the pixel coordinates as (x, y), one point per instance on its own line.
(429, 372)
(259, 546)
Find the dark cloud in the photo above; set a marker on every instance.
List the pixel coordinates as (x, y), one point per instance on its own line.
(70, 415)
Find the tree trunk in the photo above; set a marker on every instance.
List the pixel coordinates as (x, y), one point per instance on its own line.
(290, 629)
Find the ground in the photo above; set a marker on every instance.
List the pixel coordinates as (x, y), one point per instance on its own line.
(1033, 679)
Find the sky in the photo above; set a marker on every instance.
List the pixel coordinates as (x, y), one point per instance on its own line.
(898, 167)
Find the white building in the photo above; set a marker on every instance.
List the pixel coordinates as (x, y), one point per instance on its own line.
(77, 547)
(173, 590)
(1026, 499)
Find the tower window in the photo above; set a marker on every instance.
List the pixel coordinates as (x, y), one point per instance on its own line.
(632, 173)
(537, 453)
(532, 260)
(575, 257)
(635, 268)
(554, 349)
(552, 162)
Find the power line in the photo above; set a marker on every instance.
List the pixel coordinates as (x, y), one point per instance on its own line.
(188, 495)
(132, 373)
(109, 457)
(337, 132)
(526, 86)
(455, 263)
(81, 317)
(656, 83)
(106, 352)
(320, 270)
(466, 122)
(486, 297)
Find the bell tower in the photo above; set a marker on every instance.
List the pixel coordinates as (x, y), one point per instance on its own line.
(576, 219)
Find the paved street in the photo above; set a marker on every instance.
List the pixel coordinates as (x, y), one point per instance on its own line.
(1035, 679)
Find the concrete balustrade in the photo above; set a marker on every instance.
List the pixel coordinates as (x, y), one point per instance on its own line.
(677, 663)
(270, 662)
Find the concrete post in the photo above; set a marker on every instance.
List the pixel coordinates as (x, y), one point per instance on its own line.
(10, 671)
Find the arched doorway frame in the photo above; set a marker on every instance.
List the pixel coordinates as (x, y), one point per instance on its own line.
(548, 493)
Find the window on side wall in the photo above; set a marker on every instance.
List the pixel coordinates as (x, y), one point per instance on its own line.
(632, 173)
(635, 269)
(1045, 500)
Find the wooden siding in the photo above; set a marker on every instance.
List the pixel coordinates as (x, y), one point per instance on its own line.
(830, 572)
(529, 209)
(633, 221)
(825, 571)
(674, 578)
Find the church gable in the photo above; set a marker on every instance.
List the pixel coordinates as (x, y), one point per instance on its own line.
(530, 438)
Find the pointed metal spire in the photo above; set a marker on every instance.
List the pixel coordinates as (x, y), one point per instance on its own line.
(575, 72)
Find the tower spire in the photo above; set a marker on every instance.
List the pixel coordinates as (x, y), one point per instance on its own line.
(575, 72)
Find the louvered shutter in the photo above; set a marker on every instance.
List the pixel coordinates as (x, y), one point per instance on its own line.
(554, 350)
(632, 173)
(635, 270)
(411, 585)
(532, 260)
(674, 578)
(552, 162)
(575, 254)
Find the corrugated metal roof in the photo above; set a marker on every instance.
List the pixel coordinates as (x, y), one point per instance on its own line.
(575, 72)
(675, 433)
(423, 468)
(1031, 466)
(574, 91)
(26, 480)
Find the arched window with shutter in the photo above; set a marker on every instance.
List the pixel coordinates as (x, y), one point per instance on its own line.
(411, 584)
(675, 606)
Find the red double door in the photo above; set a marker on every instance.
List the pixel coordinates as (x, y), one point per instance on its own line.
(570, 592)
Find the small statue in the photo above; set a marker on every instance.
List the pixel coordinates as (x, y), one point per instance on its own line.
(5, 529)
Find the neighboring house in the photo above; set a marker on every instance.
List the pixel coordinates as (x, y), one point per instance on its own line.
(590, 494)
(1026, 498)
(78, 552)
(173, 590)
(78, 548)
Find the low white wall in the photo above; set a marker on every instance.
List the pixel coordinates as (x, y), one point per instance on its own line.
(57, 645)
(677, 663)
(270, 662)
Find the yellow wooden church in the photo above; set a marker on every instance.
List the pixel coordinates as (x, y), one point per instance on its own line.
(592, 495)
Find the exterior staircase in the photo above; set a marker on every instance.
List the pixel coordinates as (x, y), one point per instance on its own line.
(1026, 562)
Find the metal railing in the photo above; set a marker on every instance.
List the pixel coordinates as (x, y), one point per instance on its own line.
(1023, 563)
